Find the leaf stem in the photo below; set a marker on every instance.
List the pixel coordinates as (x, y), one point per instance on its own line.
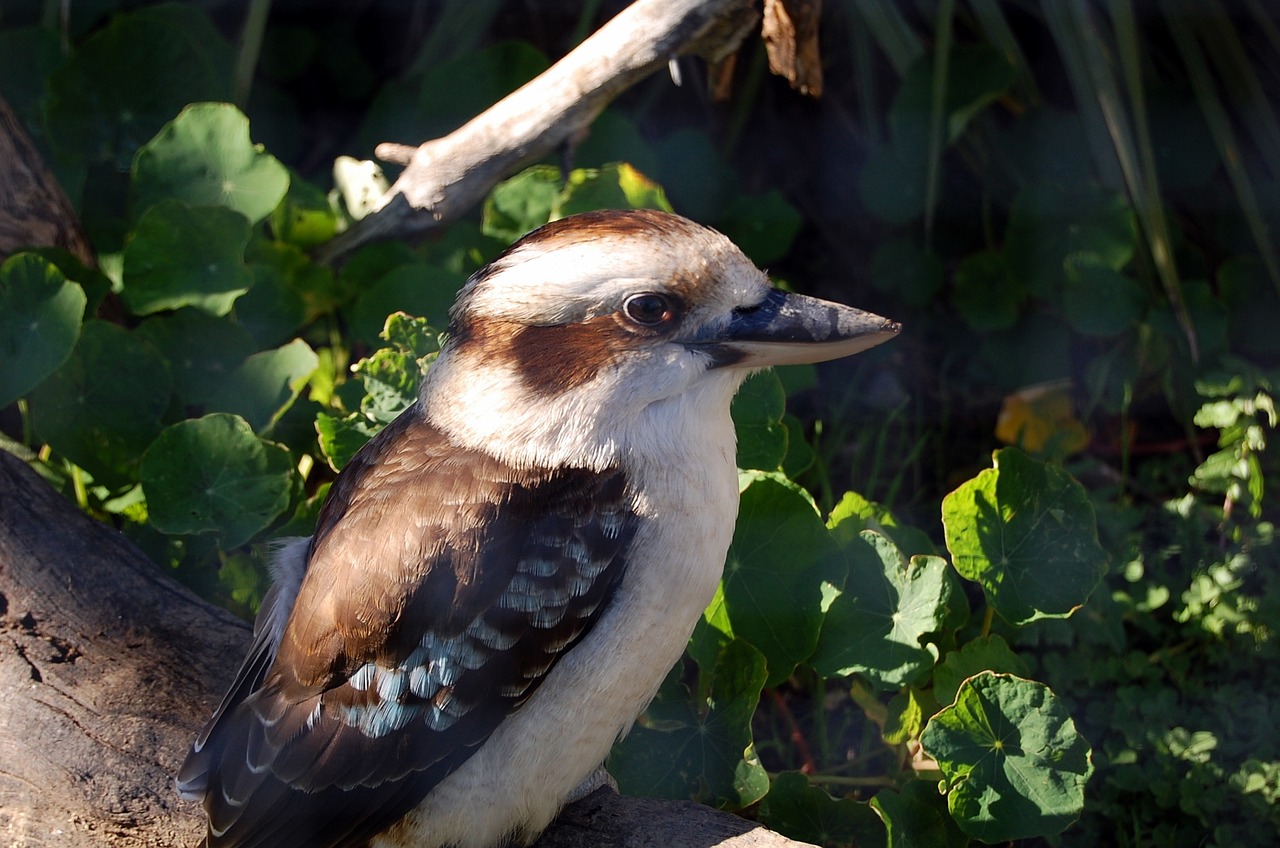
(988, 619)
(255, 25)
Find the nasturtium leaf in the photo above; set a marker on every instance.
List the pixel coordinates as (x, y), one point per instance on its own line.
(181, 255)
(96, 284)
(103, 406)
(204, 157)
(202, 350)
(40, 313)
(126, 80)
(800, 455)
(987, 294)
(272, 310)
(1050, 224)
(265, 384)
(875, 626)
(416, 289)
(412, 335)
(1026, 532)
(854, 513)
(987, 653)
(757, 416)
(780, 555)
(1100, 301)
(683, 747)
(1014, 765)
(521, 203)
(617, 186)
(917, 817)
(712, 633)
(800, 811)
(213, 475)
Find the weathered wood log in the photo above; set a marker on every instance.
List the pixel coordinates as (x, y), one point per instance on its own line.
(108, 669)
(36, 211)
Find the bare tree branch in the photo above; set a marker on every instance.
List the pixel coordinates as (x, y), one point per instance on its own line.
(446, 177)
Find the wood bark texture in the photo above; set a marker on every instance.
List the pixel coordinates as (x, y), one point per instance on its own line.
(448, 176)
(35, 211)
(108, 669)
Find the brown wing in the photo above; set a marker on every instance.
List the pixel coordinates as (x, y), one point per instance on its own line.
(441, 588)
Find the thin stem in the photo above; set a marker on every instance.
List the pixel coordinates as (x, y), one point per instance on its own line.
(255, 24)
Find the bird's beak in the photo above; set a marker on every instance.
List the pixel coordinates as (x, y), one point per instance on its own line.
(788, 329)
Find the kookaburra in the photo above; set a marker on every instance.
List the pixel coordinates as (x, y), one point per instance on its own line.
(500, 580)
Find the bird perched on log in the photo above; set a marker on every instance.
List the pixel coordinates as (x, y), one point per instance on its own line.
(500, 580)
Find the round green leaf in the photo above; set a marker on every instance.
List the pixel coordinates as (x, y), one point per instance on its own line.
(780, 554)
(186, 256)
(807, 813)
(202, 350)
(40, 312)
(757, 416)
(204, 157)
(1026, 532)
(118, 88)
(262, 387)
(989, 653)
(1014, 764)
(874, 627)
(684, 748)
(103, 406)
(213, 475)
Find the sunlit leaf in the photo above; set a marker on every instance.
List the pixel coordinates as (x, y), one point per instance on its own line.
(204, 157)
(874, 628)
(1026, 532)
(779, 557)
(1014, 764)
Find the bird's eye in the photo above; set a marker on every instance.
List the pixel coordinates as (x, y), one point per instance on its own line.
(648, 309)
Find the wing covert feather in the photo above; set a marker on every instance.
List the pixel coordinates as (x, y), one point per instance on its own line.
(441, 587)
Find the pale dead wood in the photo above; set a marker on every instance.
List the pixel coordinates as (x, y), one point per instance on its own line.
(446, 177)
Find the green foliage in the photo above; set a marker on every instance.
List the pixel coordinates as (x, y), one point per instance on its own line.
(854, 682)
(40, 312)
(1025, 531)
(1014, 764)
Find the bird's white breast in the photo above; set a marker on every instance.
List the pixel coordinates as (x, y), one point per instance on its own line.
(686, 491)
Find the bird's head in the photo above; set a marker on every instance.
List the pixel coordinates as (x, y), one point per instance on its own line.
(610, 332)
